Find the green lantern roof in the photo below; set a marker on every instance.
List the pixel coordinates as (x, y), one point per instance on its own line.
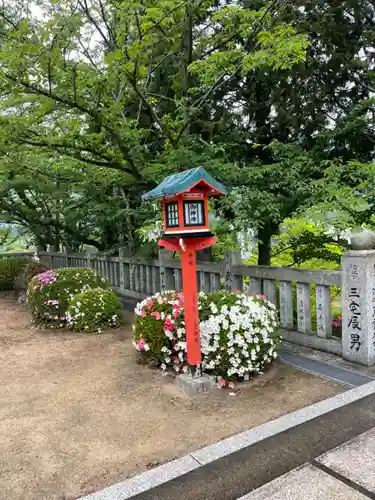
(182, 182)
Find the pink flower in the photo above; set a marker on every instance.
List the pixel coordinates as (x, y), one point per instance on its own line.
(260, 297)
(235, 291)
(340, 318)
(169, 325)
(335, 323)
(143, 314)
(176, 313)
(156, 315)
(221, 382)
(141, 345)
(149, 303)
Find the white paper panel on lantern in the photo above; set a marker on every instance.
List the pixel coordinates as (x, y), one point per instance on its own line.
(193, 213)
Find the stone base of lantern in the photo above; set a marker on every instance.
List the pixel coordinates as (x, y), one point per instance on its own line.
(194, 386)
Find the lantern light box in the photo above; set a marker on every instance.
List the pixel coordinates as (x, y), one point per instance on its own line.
(184, 197)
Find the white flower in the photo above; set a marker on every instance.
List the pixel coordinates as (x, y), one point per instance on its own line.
(214, 308)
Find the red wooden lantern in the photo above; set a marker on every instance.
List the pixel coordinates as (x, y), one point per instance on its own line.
(184, 199)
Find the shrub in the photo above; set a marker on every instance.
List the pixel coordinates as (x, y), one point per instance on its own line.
(238, 333)
(33, 268)
(10, 268)
(93, 310)
(49, 293)
(154, 316)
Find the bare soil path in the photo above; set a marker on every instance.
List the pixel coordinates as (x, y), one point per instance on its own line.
(78, 414)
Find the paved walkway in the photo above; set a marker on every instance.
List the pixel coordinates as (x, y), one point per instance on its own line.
(344, 473)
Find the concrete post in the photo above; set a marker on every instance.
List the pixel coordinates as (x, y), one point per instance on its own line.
(358, 306)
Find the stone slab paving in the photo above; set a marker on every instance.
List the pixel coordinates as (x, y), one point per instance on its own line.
(307, 483)
(354, 460)
(326, 370)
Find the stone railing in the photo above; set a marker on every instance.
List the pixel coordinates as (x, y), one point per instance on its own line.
(292, 290)
(302, 297)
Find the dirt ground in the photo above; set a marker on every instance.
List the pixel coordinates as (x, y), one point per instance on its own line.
(78, 414)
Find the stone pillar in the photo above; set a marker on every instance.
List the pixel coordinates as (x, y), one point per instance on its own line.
(67, 252)
(358, 306)
(162, 275)
(231, 281)
(121, 254)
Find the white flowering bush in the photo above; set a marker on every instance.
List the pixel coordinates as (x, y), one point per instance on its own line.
(239, 333)
(49, 293)
(93, 310)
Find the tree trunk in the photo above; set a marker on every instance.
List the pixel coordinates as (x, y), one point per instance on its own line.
(264, 246)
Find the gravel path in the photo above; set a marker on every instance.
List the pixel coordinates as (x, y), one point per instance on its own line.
(78, 414)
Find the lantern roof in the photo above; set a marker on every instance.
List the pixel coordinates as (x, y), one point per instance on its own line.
(184, 181)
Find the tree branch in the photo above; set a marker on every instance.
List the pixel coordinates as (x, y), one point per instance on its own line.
(91, 112)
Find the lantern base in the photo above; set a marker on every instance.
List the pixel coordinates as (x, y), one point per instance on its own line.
(185, 236)
(194, 386)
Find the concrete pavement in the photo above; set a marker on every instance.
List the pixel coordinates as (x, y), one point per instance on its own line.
(235, 467)
(346, 472)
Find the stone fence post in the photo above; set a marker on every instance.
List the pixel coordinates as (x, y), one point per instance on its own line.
(358, 306)
(67, 252)
(121, 256)
(162, 272)
(232, 282)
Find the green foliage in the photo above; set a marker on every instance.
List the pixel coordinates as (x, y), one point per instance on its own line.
(10, 268)
(226, 240)
(124, 88)
(306, 244)
(7, 239)
(92, 310)
(100, 100)
(49, 293)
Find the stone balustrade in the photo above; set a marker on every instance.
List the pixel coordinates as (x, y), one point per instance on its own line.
(302, 296)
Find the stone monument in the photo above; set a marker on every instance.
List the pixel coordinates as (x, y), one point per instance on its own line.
(358, 299)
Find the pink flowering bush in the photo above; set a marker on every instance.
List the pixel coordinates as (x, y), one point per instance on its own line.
(155, 329)
(239, 333)
(50, 292)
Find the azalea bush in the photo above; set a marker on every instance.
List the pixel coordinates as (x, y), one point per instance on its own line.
(92, 310)
(10, 268)
(49, 293)
(239, 333)
(155, 328)
(33, 268)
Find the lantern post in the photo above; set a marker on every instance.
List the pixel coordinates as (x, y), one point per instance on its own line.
(184, 199)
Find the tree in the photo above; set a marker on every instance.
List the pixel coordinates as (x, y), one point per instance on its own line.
(124, 87)
(299, 108)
